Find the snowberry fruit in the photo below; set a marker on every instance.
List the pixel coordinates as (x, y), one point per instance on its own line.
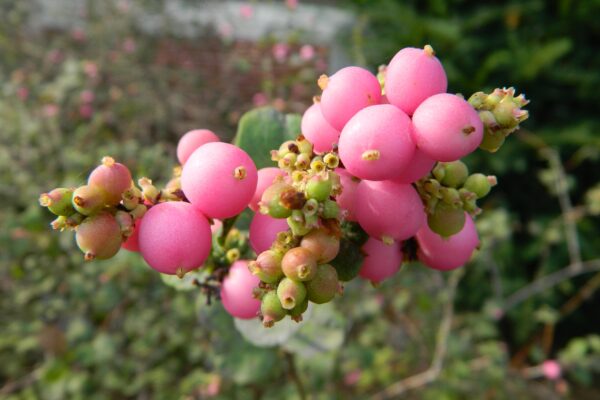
(299, 264)
(267, 266)
(89, 199)
(347, 198)
(174, 237)
(389, 211)
(317, 130)
(479, 184)
(418, 167)
(266, 177)
(324, 286)
(113, 177)
(323, 245)
(376, 143)
(193, 140)
(58, 201)
(346, 92)
(290, 293)
(381, 260)
(446, 127)
(237, 291)
(412, 76)
(271, 309)
(99, 236)
(263, 231)
(276, 199)
(447, 253)
(318, 188)
(446, 220)
(219, 179)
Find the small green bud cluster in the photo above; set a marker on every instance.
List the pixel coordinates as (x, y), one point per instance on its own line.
(448, 192)
(103, 212)
(501, 113)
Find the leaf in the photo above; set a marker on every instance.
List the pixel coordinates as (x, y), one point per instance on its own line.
(348, 261)
(264, 129)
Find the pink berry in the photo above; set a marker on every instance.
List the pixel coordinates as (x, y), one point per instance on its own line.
(113, 177)
(412, 76)
(237, 291)
(382, 260)
(219, 179)
(447, 253)
(317, 130)
(347, 199)
(193, 140)
(551, 369)
(446, 127)
(376, 144)
(132, 243)
(418, 166)
(389, 211)
(264, 230)
(266, 177)
(174, 237)
(346, 92)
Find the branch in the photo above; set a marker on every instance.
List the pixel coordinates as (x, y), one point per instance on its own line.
(294, 375)
(433, 372)
(548, 281)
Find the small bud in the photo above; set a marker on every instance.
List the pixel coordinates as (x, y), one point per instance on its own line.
(304, 146)
(125, 222)
(58, 201)
(318, 188)
(429, 50)
(302, 161)
(317, 165)
(331, 209)
(478, 184)
(290, 293)
(232, 255)
(331, 160)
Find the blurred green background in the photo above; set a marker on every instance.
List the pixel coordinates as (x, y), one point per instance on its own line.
(120, 78)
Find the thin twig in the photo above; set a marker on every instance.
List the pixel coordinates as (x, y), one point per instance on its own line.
(441, 347)
(294, 375)
(548, 281)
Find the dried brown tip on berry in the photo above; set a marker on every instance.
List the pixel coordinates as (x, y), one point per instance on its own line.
(239, 173)
(89, 256)
(371, 155)
(180, 272)
(268, 322)
(108, 161)
(323, 81)
(492, 180)
(467, 130)
(429, 50)
(316, 99)
(297, 318)
(78, 200)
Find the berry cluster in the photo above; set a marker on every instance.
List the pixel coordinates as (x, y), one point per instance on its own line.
(374, 176)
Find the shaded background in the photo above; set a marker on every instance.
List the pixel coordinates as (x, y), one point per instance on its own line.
(82, 79)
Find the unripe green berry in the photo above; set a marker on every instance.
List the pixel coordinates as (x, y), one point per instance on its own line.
(267, 266)
(290, 293)
(318, 188)
(478, 184)
(296, 312)
(331, 209)
(271, 309)
(324, 286)
(88, 199)
(304, 146)
(299, 264)
(446, 220)
(455, 173)
(99, 236)
(287, 147)
(271, 200)
(298, 224)
(58, 201)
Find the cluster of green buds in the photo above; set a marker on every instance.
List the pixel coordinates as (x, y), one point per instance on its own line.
(501, 112)
(448, 191)
(103, 213)
(296, 269)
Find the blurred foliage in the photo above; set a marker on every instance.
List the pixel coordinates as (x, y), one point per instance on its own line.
(114, 330)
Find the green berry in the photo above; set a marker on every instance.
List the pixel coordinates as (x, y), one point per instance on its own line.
(271, 200)
(290, 293)
(271, 309)
(324, 286)
(318, 188)
(58, 201)
(455, 173)
(446, 220)
(267, 266)
(89, 199)
(478, 184)
(331, 209)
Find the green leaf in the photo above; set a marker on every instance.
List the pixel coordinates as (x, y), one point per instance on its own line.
(349, 259)
(264, 129)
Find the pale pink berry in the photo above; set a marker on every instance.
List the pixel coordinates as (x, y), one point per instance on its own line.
(132, 243)
(264, 230)
(389, 211)
(446, 127)
(174, 237)
(317, 130)
(347, 199)
(237, 291)
(418, 166)
(381, 260)
(347, 92)
(376, 144)
(412, 76)
(111, 176)
(99, 236)
(551, 369)
(266, 177)
(219, 179)
(447, 253)
(193, 140)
